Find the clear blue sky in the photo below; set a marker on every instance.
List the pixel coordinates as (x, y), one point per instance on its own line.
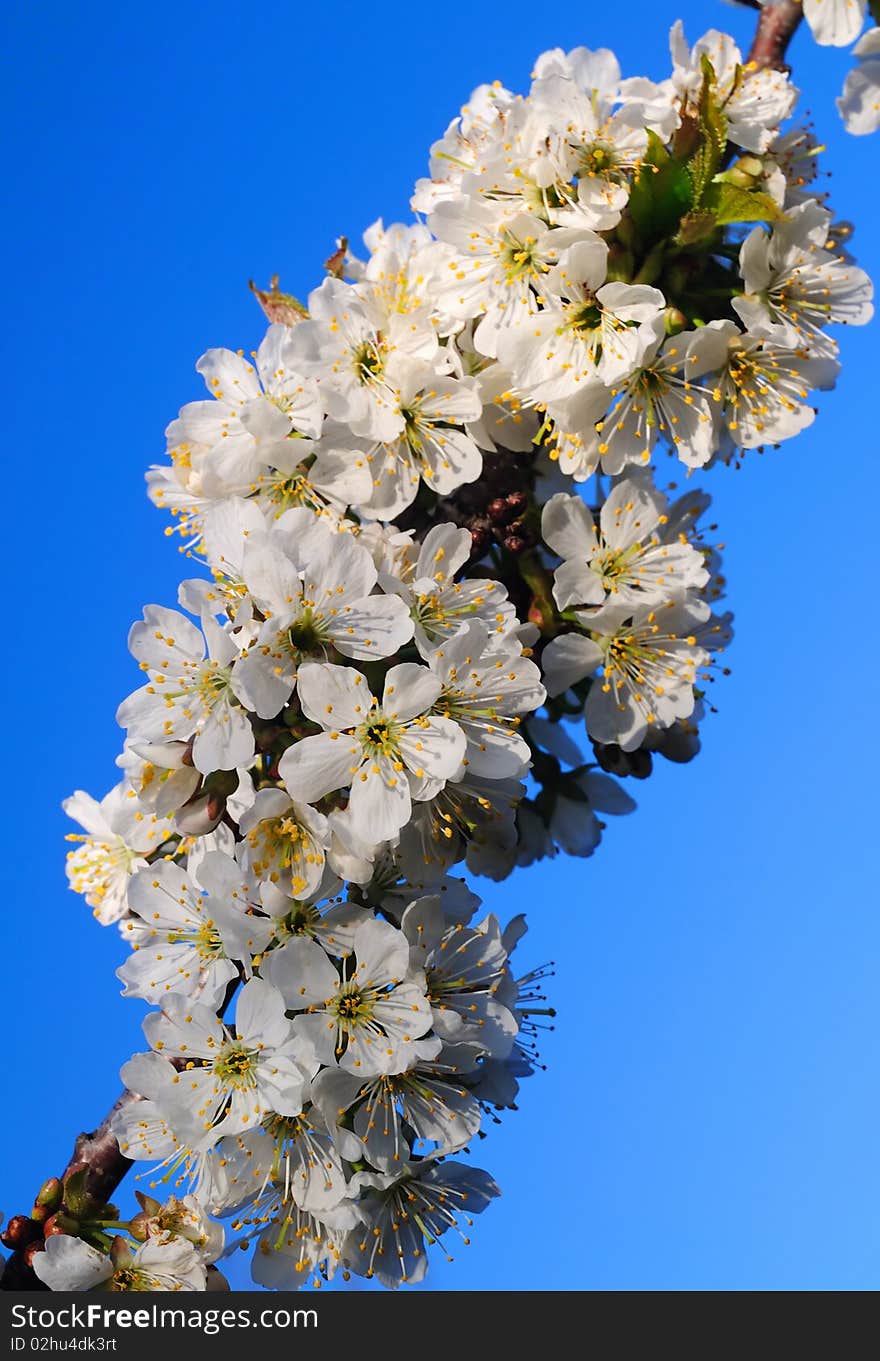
(709, 1118)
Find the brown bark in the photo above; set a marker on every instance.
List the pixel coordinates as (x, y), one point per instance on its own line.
(776, 28)
(99, 1153)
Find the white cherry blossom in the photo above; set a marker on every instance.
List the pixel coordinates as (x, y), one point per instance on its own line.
(486, 683)
(351, 356)
(284, 844)
(764, 388)
(386, 752)
(190, 694)
(755, 99)
(184, 941)
(433, 445)
(600, 148)
(648, 660)
(400, 1211)
(232, 1082)
(368, 1014)
(587, 328)
(630, 557)
(300, 1246)
(794, 288)
(120, 833)
(669, 396)
(230, 436)
(427, 1098)
(68, 1263)
(498, 263)
(466, 976)
(482, 120)
(439, 603)
(326, 609)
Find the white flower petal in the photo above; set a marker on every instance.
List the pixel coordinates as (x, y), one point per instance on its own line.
(301, 973)
(380, 801)
(317, 765)
(337, 697)
(410, 690)
(568, 659)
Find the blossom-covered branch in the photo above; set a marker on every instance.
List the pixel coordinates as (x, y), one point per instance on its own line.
(447, 599)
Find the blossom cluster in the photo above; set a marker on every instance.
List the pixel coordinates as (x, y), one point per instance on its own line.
(435, 548)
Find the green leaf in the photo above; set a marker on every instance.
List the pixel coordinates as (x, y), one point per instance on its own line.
(696, 227)
(722, 203)
(77, 1200)
(705, 163)
(731, 203)
(656, 153)
(661, 194)
(874, 8)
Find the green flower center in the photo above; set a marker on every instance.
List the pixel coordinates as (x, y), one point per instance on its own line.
(235, 1066)
(212, 684)
(600, 161)
(611, 565)
(379, 738)
(205, 939)
(305, 634)
(369, 361)
(520, 259)
(354, 1007)
(585, 317)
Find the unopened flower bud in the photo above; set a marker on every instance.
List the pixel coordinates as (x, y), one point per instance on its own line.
(481, 537)
(120, 1251)
(201, 815)
(60, 1223)
(674, 321)
(20, 1231)
(744, 173)
(540, 616)
(138, 1227)
(50, 1193)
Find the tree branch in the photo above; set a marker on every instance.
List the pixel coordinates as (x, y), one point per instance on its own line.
(98, 1151)
(99, 1154)
(776, 28)
(105, 1166)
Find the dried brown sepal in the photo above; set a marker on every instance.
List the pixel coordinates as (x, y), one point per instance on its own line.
(279, 307)
(335, 265)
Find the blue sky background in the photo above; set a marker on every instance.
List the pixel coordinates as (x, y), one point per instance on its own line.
(709, 1117)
